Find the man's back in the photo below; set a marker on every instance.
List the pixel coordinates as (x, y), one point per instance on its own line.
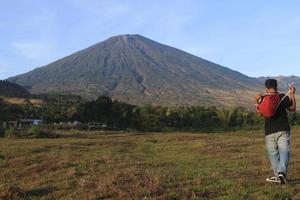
(279, 122)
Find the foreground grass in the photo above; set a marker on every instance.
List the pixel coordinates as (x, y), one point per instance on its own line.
(144, 166)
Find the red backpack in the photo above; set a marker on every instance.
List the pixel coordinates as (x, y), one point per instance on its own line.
(269, 104)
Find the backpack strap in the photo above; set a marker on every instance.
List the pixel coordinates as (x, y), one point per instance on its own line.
(270, 94)
(264, 95)
(281, 100)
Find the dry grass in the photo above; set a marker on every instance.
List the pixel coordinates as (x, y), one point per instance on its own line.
(143, 166)
(22, 101)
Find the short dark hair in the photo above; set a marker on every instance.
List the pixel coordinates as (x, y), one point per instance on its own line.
(271, 83)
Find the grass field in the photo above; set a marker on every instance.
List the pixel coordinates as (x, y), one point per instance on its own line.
(144, 166)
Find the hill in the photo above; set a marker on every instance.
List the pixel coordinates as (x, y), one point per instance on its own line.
(137, 70)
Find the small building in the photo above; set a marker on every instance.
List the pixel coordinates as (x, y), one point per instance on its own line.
(96, 125)
(10, 124)
(22, 123)
(29, 122)
(68, 125)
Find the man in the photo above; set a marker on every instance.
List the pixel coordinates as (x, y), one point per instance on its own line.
(277, 131)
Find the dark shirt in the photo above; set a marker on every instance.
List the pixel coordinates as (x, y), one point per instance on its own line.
(279, 122)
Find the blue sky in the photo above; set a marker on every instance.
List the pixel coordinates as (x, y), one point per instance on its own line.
(257, 38)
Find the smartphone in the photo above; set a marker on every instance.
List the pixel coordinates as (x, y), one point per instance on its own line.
(291, 84)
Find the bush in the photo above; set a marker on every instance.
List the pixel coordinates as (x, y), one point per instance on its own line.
(40, 132)
(36, 131)
(2, 132)
(10, 132)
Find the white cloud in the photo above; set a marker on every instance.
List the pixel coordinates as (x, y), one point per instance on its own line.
(32, 50)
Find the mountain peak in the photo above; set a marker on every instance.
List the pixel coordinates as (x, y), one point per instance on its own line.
(126, 37)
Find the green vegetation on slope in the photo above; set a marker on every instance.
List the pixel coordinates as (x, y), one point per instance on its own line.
(8, 89)
(144, 166)
(52, 108)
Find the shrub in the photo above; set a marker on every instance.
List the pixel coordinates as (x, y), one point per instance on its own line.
(2, 132)
(40, 132)
(10, 132)
(36, 131)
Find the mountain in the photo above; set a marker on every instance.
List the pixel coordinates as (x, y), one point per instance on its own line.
(8, 89)
(137, 70)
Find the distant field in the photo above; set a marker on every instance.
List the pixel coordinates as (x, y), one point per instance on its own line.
(144, 166)
(22, 101)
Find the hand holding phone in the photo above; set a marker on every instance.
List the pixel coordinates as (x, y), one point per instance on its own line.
(292, 88)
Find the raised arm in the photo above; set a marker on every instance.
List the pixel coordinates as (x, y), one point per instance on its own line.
(257, 99)
(292, 91)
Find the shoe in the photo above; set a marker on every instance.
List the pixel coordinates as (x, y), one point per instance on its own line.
(282, 178)
(273, 179)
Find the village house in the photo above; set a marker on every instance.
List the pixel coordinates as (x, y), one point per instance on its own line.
(22, 123)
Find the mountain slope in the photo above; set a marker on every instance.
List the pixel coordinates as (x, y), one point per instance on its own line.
(137, 70)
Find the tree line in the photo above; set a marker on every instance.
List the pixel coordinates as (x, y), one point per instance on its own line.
(123, 116)
(9, 89)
